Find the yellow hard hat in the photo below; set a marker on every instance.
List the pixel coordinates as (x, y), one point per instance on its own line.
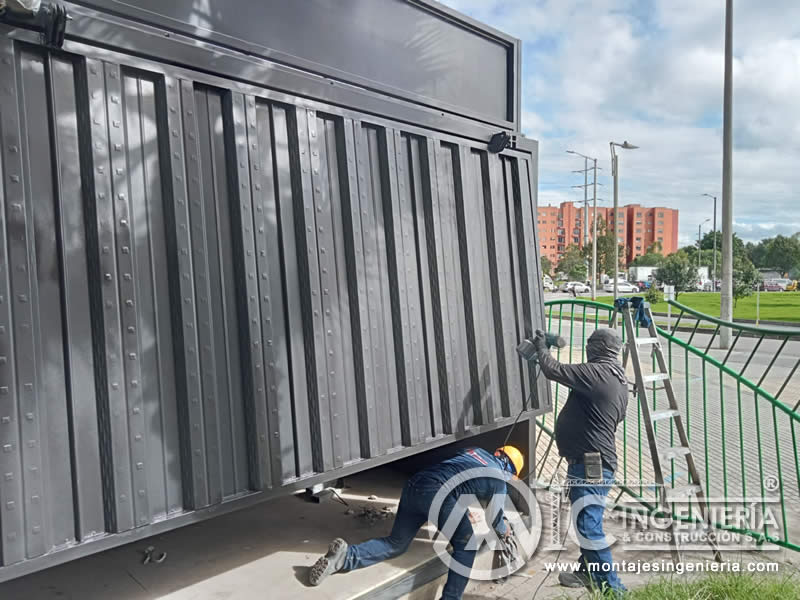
(515, 456)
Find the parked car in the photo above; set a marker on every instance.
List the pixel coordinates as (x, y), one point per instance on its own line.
(623, 287)
(771, 286)
(576, 286)
(548, 285)
(784, 283)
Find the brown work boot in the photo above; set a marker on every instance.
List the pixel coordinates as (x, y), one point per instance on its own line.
(332, 562)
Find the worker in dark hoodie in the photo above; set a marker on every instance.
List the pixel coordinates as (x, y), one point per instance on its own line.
(585, 435)
(414, 510)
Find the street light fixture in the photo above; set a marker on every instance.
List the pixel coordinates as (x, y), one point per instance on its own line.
(615, 174)
(586, 160)
(714, 269)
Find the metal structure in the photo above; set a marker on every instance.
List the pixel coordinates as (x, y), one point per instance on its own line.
(744, 435)
(223, 278)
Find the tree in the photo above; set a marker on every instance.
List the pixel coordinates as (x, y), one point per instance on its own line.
(757, 253)
(572, 263)
(707, 243)
(706, 258)
(547, 266)
(678, 271)
(649, 259)
(745, 278)
(783, 253)
(605, 250)
(655, 248)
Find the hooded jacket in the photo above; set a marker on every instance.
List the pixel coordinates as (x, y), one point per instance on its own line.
(597, 401)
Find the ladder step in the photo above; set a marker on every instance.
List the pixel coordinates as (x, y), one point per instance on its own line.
(675, 452)
(655, 377)
(643, 341)
(664, 414)
(683, 492)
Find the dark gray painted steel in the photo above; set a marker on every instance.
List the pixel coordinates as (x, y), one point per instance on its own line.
(437, 56)
(213, 293)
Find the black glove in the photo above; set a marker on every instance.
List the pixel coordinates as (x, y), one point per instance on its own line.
(539, 341)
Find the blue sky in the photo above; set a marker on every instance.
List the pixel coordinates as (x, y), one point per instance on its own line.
(651, 72)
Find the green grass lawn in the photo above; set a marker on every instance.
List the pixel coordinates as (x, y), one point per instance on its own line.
(729, 586)
(775, 306)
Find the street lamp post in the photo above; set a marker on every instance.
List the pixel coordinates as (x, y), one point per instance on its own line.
(714, 225)
(615, 173)
(726, 293)
(586, 160)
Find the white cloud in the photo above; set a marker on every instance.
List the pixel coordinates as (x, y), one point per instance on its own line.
(652, 72)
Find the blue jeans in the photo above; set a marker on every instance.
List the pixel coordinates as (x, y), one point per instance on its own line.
(412, 513)
(589, 524)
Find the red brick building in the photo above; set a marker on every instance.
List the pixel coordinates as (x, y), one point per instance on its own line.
(638, 227)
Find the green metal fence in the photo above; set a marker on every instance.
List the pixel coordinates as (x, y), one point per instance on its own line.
(743, 437)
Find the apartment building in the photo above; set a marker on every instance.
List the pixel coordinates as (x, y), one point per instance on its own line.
(638, 227)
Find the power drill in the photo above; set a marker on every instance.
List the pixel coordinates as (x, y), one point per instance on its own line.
(527, 350)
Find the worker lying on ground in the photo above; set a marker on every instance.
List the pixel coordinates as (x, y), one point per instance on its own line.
(414, 508)
(586, 437)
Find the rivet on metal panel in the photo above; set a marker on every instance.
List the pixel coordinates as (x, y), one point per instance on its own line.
(138, 437)
(31, 443)
(8, 476)
(8, 448)
(115, 99)
(131, 329)
(129, 303)
(108, 276)
(15, 178)
(6, 420)
(140, 466)
(109, 304)
(13, 149)
(115, 386)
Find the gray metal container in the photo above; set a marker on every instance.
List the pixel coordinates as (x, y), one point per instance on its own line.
(227, 273)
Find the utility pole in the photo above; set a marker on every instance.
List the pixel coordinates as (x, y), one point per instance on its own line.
(594, 235)
(714, 225)
(700, 243)
(726, 293)
(585, 202)
(585, 187)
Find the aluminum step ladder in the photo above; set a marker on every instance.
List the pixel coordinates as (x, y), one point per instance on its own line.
(633, 348)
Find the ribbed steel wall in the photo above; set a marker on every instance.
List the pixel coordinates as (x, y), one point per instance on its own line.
(206, 292)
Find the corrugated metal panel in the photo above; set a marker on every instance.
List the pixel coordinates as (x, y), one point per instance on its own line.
(210, 292)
